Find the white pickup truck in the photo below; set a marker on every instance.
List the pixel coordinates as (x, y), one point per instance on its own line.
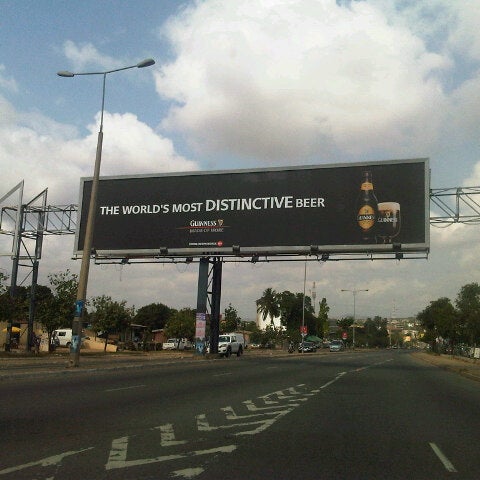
(231, 343)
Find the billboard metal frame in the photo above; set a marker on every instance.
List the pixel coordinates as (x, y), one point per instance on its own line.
(238, 253)
(14, 215)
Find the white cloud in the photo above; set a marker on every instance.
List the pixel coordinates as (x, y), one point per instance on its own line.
(283, 80)
(133, 147)
(87, 54)
(48, 155)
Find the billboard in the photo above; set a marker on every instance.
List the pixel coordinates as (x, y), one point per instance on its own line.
(355, 207)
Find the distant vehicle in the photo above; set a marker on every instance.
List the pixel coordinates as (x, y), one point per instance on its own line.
(230, 343)
(62, 337)
(336, 346)
(307, 347)
(176, 344)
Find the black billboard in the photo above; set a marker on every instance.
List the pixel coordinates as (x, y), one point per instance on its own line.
(371, 207)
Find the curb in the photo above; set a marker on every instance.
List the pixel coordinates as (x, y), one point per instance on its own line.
(472, 373)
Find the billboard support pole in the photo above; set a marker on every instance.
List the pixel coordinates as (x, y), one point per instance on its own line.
(13, 281)
(202, 295)
(216, 295)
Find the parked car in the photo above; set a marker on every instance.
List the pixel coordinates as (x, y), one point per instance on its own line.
(336, 346)
(307, 347)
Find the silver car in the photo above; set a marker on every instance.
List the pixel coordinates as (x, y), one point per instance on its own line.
(336, 346)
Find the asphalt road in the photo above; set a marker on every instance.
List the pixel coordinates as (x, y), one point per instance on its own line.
(375, 415)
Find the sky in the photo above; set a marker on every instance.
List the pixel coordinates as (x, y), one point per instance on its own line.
(239, 85)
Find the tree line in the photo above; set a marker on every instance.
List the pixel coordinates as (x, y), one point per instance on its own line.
(55, 308)
(294, 310)
(448, 325)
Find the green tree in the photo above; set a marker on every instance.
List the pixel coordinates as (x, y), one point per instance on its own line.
(109, 316)
(3, 283)
(14, 307)
(181, 324)
(292, 313)
(154, 316)
(468, 306)
(231, 319)
(345, 323)
(375, 332)
(268, 305)
(57, 310)
(447, 321)
(439, 319)
(322, 319)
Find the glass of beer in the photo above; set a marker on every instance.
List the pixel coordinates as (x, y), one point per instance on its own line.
(388, 221)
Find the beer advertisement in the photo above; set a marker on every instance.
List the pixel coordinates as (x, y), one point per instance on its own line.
(374, 206)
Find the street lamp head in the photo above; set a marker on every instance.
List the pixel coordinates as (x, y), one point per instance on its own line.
(146, 63)
(65, 73)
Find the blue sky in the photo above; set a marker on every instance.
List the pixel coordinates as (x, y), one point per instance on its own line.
(245, 84)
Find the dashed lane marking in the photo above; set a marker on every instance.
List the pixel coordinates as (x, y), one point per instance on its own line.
(446, 462)
(124, 388)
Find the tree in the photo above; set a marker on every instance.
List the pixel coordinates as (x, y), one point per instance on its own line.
(181, 324)
(56, 311)
(375, 331)
(14, 307)
(345, 323)
(231, 320)
(109, 316)
(322, 319)
(268, 305)
(440, 319)
(3, 283)
(154, 316)
(468, 306)
(447, 321)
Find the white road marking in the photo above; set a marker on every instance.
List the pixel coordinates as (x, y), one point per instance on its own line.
(118, 455)
(253, 408)
(340, 375)
(446, 462)
(231, 415)
(167, 436)
(44, 462)
(203, 425)
(188, 472)
(124, 388)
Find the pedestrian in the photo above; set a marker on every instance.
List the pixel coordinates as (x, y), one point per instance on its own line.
(35, 343)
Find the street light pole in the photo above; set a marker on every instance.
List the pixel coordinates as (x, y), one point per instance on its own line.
(87, 243)
(354, 292)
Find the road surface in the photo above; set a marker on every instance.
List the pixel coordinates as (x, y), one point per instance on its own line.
(346, 415)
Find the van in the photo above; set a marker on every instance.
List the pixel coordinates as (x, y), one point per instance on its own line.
(62, 337)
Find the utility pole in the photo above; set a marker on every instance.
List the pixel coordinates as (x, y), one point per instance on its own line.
(354, 292)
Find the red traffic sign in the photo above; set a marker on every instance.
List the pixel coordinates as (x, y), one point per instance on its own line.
(344, 335)
(303, 329)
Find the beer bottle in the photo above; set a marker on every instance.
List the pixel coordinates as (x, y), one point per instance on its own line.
(367, 209)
